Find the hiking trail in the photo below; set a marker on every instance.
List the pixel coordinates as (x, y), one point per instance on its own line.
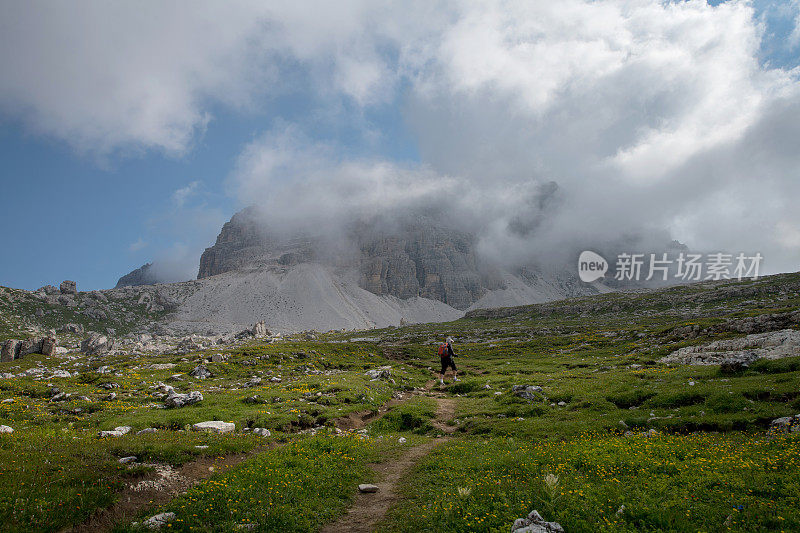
(369, 509)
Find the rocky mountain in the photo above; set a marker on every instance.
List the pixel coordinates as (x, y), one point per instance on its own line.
(412, 257)
(144, 275)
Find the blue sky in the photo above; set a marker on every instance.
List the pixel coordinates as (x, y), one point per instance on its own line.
(102, 124)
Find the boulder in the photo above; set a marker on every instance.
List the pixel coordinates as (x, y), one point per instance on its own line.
(175, 400)
(527, 392)
(215, 426)
(96, 343)
(29, 346)
(783, 425)
(48, 346)
(534, 523)
(6, 429)
(77, 329)
(200, 372)
(259, 330)
(68, 287)
(10, 350)
(252, 382)
(264, 432)
(383, 372)
(158, 521)
(367, 487)
(116, 432)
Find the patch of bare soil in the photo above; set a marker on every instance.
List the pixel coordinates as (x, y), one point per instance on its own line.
(155, 489)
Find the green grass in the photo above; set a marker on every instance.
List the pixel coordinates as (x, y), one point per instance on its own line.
(297, 487)
(699, 482)
(597, 357)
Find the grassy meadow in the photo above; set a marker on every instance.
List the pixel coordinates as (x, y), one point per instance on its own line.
(615, 440)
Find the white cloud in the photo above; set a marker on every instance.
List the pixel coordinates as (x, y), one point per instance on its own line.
(649, 115)
(140, 244)
(180, 196)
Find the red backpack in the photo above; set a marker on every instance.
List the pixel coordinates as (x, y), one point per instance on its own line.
(443, 350)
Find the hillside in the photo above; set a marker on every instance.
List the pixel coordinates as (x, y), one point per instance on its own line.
(593, 411)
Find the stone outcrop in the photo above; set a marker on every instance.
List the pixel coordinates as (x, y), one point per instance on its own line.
(144, 275)
(96, 343)
(68, 287)
(534, 523)
(739, 352)
(16, 349)
(410, 258)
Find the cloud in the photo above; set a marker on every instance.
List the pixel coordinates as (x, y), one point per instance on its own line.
(651, 120)
(543, 126)
(140, 244)
(180, 196)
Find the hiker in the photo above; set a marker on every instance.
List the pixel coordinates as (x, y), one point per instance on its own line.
(446, 354)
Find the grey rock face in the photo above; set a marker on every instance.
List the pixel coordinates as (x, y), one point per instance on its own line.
(68, 287)
(96, 343)
(143, 275)
(415, 257)
(742, 351)
(10, 350)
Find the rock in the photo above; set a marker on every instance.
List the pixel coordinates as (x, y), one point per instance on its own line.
(215, 426)
(104, 369)
(262, 431)
(145, 431)
(254, 400)
(95, 314)
(562, 404)
(29, 346)
(260, 330)
(126, 460)
(366, 487)
(10, 350)
(783, 425)
(77, 329)
(741, 351)
(48, 346)
(188, 345)
(527, 392)
(383, 372)
(158, 521)
(144, 275)
(252, 382)
(111, 397)
(175, 400)
(402, 440)
(116, 432)
(218, 358)
(6, 429)
(534, 523)
(68, 287)
(200, 372)
(49, 289)
(411, 257)
(96, 343)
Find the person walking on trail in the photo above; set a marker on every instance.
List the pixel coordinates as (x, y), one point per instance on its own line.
(446, 355)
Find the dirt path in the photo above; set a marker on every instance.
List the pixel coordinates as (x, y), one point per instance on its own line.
(368, 509)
